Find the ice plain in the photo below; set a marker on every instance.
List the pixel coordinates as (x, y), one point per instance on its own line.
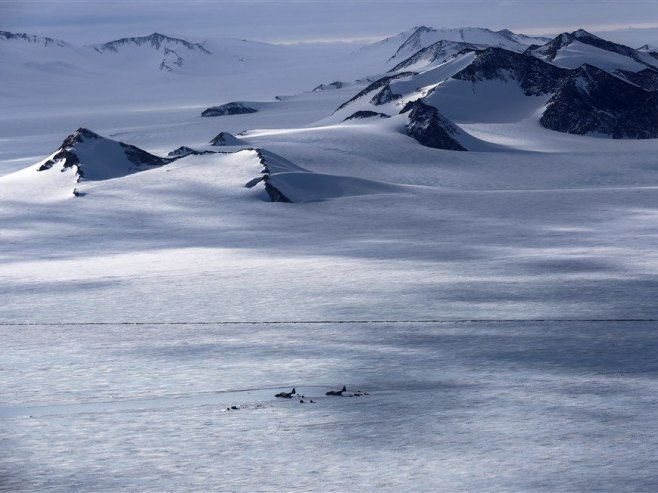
(542, 226)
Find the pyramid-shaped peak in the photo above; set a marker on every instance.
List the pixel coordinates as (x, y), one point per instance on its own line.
(581, 33)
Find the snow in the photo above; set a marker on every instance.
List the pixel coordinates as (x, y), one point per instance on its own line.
(177, 292)
(495, 406)
(576, 54)
(489, 101)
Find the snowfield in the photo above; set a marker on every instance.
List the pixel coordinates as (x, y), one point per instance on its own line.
(498, 305)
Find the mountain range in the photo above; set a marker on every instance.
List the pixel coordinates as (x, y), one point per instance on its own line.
(432, 86)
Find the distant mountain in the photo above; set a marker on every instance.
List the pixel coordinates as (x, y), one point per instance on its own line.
(423, 37)
(232, 108)
(29, 38)
(534, 76)
(156, 41)
(172, 49)
(435, 53)
(571, 50)
(88, 156)
(495, 85)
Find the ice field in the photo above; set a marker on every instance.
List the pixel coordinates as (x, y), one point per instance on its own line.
(498, 305)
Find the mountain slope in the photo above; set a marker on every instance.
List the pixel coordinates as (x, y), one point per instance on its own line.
(172, 52)
(424, 36)
(91, 157)
(571, 50)
(591, 101)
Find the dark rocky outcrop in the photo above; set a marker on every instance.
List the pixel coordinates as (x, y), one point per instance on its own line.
(233, 108)
(430, 128)
(535, 76)
(592, 101)
(183, 151)
(646, 79)
(359, 115)
(333, 85)
(382, 83)
(30, 38)
(155, 40)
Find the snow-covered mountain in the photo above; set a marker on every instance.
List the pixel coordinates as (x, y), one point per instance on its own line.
(172, 50)
(399, 48)
(88, 156)
(327, 239)
(571, 50)
(425, 36)
(30, 38)
(435, 54)
(496, 85)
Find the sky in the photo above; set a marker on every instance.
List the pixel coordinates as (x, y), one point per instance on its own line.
(87, 21)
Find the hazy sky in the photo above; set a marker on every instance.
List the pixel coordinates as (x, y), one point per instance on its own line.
(86, 21)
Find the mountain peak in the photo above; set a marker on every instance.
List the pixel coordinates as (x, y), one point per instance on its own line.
(94, 157)
(581, 34)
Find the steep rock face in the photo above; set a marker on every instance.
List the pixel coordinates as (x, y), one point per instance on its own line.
(535, 76)
(92, 157)
(646, 79)
(437, 52)
(430, 128)
(233, 108)
(591, 101)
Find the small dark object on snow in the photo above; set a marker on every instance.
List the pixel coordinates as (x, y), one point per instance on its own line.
(301, 401)
(337, 392)
(286, 395)
(235, 407)
(312, 401)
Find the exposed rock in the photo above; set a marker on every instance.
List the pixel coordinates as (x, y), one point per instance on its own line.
(45, 41)
(334, 85)
(94, 157)
(366, 114)
(646, 79)
(187, 151)
(155, 40)
(550, 50)
(225, 139)
(378, 84)
(439, 51)
(430, 128)
(591, 101)
(233, 108)
(535, 76)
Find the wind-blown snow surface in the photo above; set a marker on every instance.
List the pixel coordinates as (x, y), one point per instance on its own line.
(534, 225)
(452, 407)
